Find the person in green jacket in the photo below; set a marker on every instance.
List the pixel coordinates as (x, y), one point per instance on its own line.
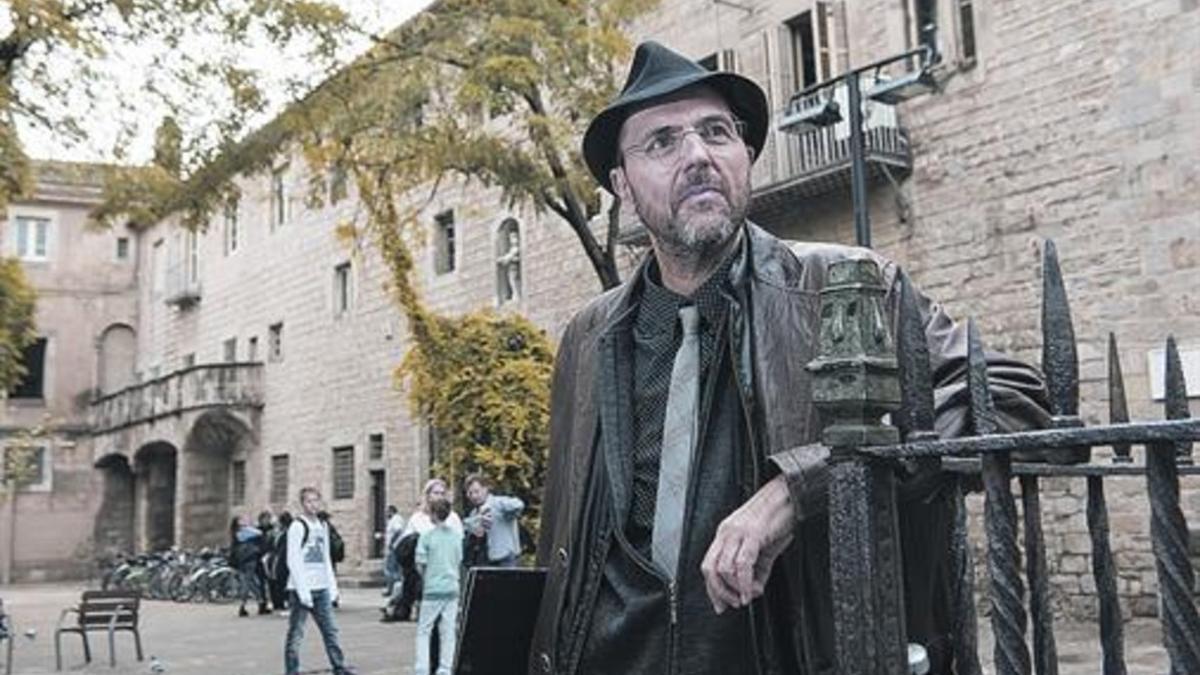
(438, 558)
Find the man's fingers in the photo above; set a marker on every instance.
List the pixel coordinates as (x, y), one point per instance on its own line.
(720, 593)
(744, 564)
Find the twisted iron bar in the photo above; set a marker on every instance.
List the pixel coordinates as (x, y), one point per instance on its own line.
(966, 624)
(1140, 432)
(1000, 514)
(1060, 363)
(1168, 532)
(1104, 571)
(1045, 650)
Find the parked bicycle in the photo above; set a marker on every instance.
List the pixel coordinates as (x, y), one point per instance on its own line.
(182, 576)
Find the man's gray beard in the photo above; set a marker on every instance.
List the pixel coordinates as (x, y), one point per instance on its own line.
(697, 243)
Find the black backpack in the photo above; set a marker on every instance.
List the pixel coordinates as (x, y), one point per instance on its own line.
(337, 546)
(280, 569)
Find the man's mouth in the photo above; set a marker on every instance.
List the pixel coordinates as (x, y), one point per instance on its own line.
(698, 192)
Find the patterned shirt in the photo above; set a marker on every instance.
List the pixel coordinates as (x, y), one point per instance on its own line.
(656, 338)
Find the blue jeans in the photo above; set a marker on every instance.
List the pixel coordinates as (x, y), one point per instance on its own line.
(322, 612)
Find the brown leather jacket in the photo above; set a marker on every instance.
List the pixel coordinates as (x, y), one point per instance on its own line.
(773, 327)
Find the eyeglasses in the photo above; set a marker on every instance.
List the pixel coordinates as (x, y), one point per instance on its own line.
(662, 145)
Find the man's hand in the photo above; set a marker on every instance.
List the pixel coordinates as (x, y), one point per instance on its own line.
(305, 600)
(747, 542)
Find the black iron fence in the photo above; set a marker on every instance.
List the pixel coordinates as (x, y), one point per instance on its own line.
(855, 387)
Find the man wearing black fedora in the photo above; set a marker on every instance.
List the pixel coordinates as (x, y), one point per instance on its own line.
(683, 526)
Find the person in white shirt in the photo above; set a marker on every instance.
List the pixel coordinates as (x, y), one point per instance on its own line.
(399, 604)
(420, 521)
(312, 585)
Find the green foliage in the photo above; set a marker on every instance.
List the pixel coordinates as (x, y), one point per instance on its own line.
(17, 329)
(491, 92)
(193, 41)
(19, 458)
(496, 93)
(483, 382)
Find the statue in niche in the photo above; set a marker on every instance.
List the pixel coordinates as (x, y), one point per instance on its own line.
(508, 264)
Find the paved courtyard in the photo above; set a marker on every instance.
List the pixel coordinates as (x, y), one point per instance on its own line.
(197, 639)
(212, 640)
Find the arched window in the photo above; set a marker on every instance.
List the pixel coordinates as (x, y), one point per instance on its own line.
(117, 352)
(508, 261)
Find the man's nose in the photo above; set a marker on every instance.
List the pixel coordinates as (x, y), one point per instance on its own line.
(693, 150)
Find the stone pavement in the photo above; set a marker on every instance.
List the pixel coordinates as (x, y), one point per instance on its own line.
(212, 640)
(198, 639)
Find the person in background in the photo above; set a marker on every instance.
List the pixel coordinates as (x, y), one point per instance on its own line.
(438, 559)
(246, 545)
(391, 537)
(406, 593)
(312, 584)
(277, 583)
(495, 519)
(262, 571)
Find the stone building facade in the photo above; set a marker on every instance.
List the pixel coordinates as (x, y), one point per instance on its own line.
(265, 345)
(86, 311)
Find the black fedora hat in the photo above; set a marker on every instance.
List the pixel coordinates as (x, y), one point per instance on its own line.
(657, 72)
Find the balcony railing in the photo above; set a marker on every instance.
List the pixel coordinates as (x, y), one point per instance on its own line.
(817, 161)
(230, 385)
(183, 286)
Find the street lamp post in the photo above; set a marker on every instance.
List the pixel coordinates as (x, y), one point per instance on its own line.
(858, 163)
(803, 115)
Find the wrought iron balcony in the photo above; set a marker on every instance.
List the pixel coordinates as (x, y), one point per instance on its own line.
(230, 385)
(816, 160)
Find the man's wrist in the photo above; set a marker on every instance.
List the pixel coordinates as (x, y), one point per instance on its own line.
(777, 506)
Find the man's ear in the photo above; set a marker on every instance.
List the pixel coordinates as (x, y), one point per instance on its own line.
(616, 177)
(750, 152)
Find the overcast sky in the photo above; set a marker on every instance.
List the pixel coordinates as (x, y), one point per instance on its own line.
(128, 71)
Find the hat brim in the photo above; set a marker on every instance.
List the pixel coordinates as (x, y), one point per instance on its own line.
(745, 98)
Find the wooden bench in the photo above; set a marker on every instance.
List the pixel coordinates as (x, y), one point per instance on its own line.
(108, 611)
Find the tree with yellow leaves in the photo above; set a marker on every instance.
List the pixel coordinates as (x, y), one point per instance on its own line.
(494, 93)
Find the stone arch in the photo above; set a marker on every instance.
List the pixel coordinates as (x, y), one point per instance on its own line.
(508, 261)
(113, 529)
(154, 465)
(213, 440)
(116, 357)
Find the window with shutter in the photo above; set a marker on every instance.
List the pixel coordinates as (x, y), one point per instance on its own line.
(343, 472)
